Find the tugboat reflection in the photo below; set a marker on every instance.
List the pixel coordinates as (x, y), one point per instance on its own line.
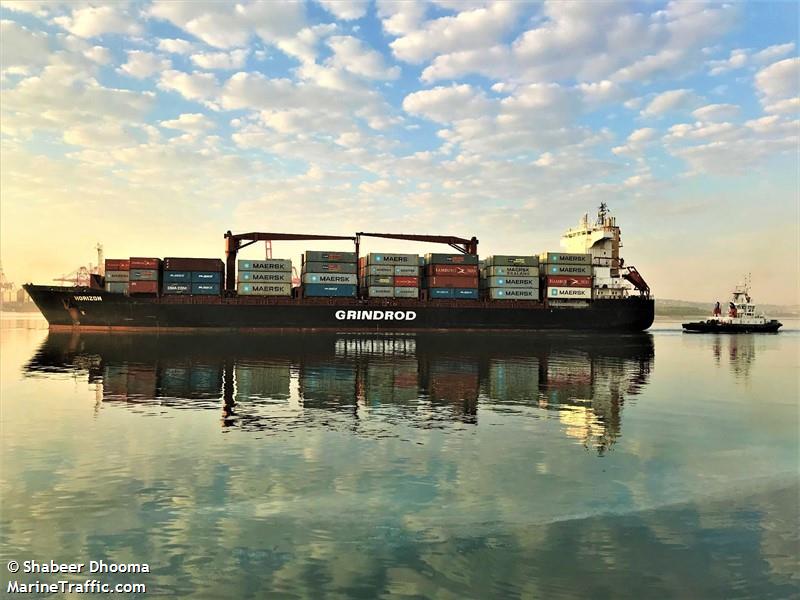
(426, 380)
(740, 351)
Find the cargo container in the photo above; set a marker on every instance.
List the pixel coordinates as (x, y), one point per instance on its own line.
(329, 267)
(206, 277)
(177, 276)
(451, 259)
(564, 258)
(466, 293)
(334, 278)
(143, 287)
(137, 262)
(143, 274)
(452, 270)
(511, 261)
(118, 276)
(117, 264)
(406, 271)
(406, 282)
(514, 293)
(406, 292)
(380, 280)
(117, 287)
(569, 293)
(453, 282)
(265, 276)
(392, 259)
(520, 282)
(333, 290)
(440, 292)
(568, 270)
(193, 264)
(386, 270)
(380, 291)
(205, 289)
(177, 288)
(272, 264)
(565, 281)
(329, 256)
(264, 289)
(511, 272)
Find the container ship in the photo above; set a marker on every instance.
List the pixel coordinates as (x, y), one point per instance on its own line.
(584, 287)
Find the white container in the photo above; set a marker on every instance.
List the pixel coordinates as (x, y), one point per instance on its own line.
(405, 271)
(521, 282)
(271, 264)
(264, 289)
(329, 278)
(264, 277)
(406, 292)
(569, 293)
(380, 291)
(375, 258)
(514, 293)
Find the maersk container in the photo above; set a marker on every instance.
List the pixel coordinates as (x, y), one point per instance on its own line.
(392, 259)
(380, 291)
(177, 288)
(453, 282)
(465, 293)
(265, 276)
(143, 287)
(569, 293)
(520, 282)
(118, 276)
(332, 278)
(440, 292)
(451, 259)
(566, 258)
(452, 270)
(205, 289)
(568, 270)
(323, 290)
(406, 271)
(380, 280)
(387, 270)
(328, 267)
(406, 292)
(137, 262)
(177, 276)
(330, 256)
(514, 293)
(116, 287)
(272, 264)
(499, 260)
(512, 271)
(264, 289)
(206, 277)
(143, 275)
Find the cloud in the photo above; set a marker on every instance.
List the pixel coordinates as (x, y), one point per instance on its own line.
(671, 101)
(221, 60)
(736, 60)
(190, 123)
(399, 17)
(22, 47)
(141, 65)
(740, 58)
(94, 21)
(447, 104)
(716, 112)
(602, 91)
(779, 81)
(303, 46)
(176, 46)
(193, 86)
(637, 141)
(352, 55)
(768, 55)
(347, 10)
(98, 54)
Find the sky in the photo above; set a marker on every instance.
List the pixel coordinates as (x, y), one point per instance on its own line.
(154, 127)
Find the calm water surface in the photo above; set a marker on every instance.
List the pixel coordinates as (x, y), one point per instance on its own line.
(661, 465)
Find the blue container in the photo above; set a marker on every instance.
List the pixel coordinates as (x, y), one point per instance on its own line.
(324, 289)
(441, 292)
(177, 276)
(469, 293)
(206, 277)
(205, 289)
(177, 288)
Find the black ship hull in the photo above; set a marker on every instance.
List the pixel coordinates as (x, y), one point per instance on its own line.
(90, 309)
(717, 327)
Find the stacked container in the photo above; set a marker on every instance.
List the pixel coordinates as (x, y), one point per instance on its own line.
(329, 274)
(270, 277)
(389, 275)
(117, 275)
(451, 276)
(144, 275)
(567, 277)
(511, 277)
(193, 276)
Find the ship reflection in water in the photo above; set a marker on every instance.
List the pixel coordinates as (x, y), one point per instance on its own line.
(369, 384)
(739, 351)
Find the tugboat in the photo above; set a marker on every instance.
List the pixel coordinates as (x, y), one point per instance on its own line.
(741, 317)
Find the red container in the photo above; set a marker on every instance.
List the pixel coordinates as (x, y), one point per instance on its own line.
(453, 282)
(454, 270)
(145, 263)
(118, 264)
(193, 264)
(569, 281)
(143, 287)
(406, 281)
